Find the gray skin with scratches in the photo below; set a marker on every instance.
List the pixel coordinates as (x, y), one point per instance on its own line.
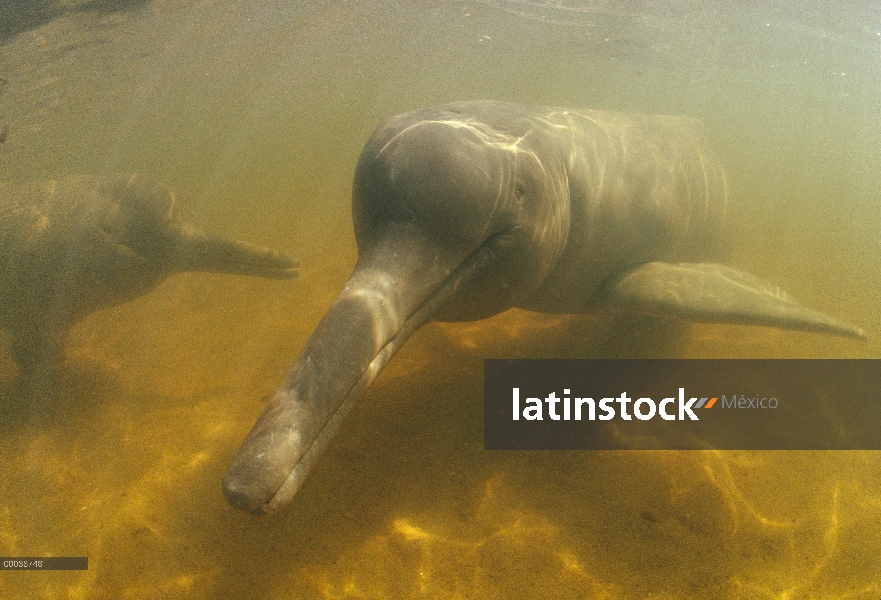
(71, 247)
(465, 210)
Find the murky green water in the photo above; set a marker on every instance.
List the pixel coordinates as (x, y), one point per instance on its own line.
(255, 113)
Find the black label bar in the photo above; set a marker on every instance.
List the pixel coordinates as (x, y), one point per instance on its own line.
(44, 563)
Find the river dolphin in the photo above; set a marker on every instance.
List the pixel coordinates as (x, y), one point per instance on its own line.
(467, 209)
(74, 246)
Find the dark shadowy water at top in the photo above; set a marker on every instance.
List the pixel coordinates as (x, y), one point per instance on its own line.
(254, 113)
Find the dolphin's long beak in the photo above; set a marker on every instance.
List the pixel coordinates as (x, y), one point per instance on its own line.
(395, 288)
(191, 249)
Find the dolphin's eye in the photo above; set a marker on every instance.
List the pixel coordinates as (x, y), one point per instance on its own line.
(519, 191)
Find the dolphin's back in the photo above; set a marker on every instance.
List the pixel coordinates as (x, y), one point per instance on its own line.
(642, 188)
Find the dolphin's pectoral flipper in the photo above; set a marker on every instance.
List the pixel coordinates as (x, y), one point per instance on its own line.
(711, 293)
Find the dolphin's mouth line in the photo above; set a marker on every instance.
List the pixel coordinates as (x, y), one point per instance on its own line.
(472, 264)
(282, 269)
(245, 270)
